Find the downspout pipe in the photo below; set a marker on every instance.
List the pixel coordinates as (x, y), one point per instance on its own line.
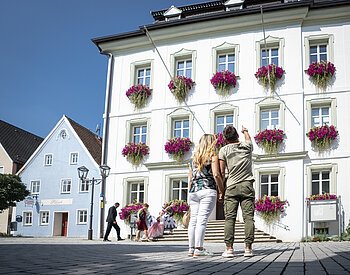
(105, 137)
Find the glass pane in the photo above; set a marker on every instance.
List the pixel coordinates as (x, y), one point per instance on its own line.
(180, 65)
(148, 72)
(231, 57)
(263, 53)
(175, 194)
(264, 124)
(141, 197)
(222, 67)
(313, 58)
(274, 60)
(219, 129)
(264, 115)
(220, 120)
(264, 178)
(274, 178)
(136, 130)
(264, 62)
(313, 49)
(177, 124)
(142, 187)
(274, 123)
(325, 175)
(177, 133)
(315, 176)
(323, 57)
(176, 184)
(144, 129)
(143, 139)
(323, 48)
(184, 195)
(325, 187)
(147, 81)
(274, 113)
(231, 67)
(274, 189)
(325, 111)
(134, 187)
(222, 58)
(189, 64)
(186, 133)
(315, 188)
(189, 73)
(133, 197)
(274, 52)
(186, 124)
(136, 139)
(229, 119)
(315, 111)
(264, 190)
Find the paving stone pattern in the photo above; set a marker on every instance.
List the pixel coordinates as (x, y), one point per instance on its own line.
(76, 256)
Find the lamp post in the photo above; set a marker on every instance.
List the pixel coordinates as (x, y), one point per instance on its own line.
(82, 173)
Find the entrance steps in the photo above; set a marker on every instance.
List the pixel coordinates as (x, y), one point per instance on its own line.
(215, 233)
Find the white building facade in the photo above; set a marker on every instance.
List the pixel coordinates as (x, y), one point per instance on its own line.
(229, 35)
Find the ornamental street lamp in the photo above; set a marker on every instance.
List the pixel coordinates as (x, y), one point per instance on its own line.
(82, 173)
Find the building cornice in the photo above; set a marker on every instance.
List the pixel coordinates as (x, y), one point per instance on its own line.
(165, 165)
(280, 156)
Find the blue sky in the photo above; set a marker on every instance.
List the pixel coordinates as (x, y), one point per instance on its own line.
(49, 66)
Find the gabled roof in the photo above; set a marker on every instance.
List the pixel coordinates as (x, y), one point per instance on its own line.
(18, 143)
(92, 142)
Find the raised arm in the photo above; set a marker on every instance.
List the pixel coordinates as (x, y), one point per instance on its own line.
(246, 134)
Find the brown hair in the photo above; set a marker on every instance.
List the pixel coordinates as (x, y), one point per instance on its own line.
(230, 133)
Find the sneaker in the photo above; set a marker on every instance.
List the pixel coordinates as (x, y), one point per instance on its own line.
(248, 253)
(228, 253)
(121, 239)
(203, 252)
(107, 240)
(190, 252)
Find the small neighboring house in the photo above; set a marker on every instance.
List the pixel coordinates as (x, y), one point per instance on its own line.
(61, 201)
(16, 147)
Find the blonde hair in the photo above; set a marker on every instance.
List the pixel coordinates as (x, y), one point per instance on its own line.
(204, 151)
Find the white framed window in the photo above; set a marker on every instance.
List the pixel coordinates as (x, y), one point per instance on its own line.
(184, 67)
(271, 182)
(35, 187)
(84, 186)
(180, 124)
(143, 76)
(137, 130)
(222, 115)
(66, 186)
(141, 73)
(321, 111)
(183, 63)
(82, 216)
(321, 178)
(179, 188)
(28, 218)
(270, 53)
(318, 48)
(225, 57)
(2, 169)
(74, 158)
(269, 118)
(270, 114)
(44, 217)
(181, 127)
(48, 160)
(63, 134)
(269, 56)
(135, 189)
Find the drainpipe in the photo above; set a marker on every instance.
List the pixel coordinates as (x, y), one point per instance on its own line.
(105, 137)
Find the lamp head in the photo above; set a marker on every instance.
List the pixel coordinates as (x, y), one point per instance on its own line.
(82, 172)
(105, 169)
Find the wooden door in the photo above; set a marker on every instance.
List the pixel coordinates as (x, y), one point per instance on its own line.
(64, 224)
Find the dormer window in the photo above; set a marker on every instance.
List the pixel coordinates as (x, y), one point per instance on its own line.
(172, 13)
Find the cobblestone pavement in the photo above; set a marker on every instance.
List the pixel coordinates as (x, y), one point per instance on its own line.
(77, 256)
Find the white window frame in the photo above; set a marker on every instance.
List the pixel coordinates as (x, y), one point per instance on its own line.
(332, 167)
(127, 188)
(269, 104)
(24, 214)
(48, 159)
(44, 218)
(281, 171)
(2, 169)
(73, 158)
(271, 42)
(182, 55)
(179, 114)
(185, 68)
(226, 48)
(36, 190)
(82, 213)
(324, 102)
(317, 40)
(135, 66)
(180, 189)
(62, 184)
(223, 109)
(130, 124)
(168, 184)
(86, 183)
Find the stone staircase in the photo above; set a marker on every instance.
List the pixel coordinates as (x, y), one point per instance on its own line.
(215, 233)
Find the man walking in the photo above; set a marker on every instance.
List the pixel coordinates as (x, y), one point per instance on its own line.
(237, 157)
(112, 222)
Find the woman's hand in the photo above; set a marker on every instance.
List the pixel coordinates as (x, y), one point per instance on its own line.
(221, 197)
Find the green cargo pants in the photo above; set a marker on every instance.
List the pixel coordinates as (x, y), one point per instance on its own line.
(239, 194)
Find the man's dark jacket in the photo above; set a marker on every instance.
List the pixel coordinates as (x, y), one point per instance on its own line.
(112, 214)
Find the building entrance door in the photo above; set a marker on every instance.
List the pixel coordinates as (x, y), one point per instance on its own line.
(64, 224)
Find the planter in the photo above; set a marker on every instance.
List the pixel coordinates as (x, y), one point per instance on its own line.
(270, 140)
(180, 87)
(135, 152)
(322, 137)
(269, 75)
(138, 95)
(223, 82)
(321, 73)
(177, 147)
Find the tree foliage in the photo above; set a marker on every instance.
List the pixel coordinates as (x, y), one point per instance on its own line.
(12, 190)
